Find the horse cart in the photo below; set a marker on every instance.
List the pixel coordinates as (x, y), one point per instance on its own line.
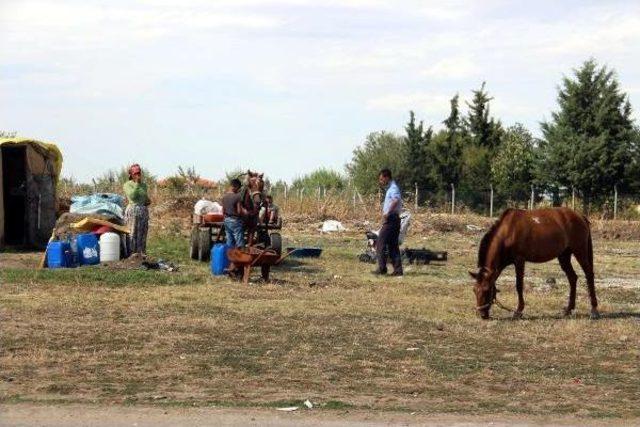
(208, 230)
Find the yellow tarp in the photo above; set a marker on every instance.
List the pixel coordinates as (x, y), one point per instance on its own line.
(88, 224)
(52, 149)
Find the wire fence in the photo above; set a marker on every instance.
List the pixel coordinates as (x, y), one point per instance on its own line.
(349, 203)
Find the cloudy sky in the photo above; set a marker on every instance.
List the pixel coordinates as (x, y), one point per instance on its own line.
(283, 86)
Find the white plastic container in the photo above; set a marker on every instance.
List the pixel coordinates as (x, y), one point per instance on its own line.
(109, 247)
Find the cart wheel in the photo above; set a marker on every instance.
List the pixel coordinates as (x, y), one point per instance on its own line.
(193, 247)
(276, 242)
(204, 244)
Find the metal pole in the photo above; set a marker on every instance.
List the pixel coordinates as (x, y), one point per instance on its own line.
(453, 199)
(615, 202)
(416, 200)
(491, 203)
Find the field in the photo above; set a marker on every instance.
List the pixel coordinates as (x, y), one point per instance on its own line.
(324, 330)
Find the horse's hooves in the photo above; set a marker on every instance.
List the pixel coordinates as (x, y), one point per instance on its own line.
(594, 315)
(517, 315)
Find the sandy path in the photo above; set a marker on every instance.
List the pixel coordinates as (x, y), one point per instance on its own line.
(98, 416)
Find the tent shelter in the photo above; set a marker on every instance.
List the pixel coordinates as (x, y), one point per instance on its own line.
(29, 172)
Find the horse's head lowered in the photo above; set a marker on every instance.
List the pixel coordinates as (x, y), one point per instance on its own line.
(485, 290)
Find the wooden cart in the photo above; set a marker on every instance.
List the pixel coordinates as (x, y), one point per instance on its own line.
(245, 258)
(208, 230)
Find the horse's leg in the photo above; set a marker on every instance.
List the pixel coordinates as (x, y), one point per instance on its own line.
(585, 259)
(519, 265)
(565, 264)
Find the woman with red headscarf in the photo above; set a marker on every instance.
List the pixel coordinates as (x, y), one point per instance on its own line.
(136, 215)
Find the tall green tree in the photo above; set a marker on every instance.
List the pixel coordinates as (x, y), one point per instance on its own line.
(514, 165)
(446, 148)
(321, 178)
(380, 150)
(482, 137)
(419, 165)
(482, 129)
(590, 138)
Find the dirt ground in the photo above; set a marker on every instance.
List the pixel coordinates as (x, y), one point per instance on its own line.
(20, 259)
(108, 416)
(142, 343)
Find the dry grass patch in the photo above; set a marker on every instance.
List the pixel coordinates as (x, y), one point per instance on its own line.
(327, 331)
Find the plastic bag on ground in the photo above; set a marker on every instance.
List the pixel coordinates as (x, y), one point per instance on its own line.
(331, 226)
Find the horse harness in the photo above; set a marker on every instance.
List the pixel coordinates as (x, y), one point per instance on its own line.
(494, 299)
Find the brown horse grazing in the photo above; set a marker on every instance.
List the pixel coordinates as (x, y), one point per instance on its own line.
(251, 194)
(536, 236)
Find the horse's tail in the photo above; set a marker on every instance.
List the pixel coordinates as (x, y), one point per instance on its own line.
(590, 248)
(589, 241)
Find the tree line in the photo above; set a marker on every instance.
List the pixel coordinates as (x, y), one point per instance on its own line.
(589, 146)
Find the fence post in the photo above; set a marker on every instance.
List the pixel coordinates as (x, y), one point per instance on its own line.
(615, 202)
(285, 196)
(416, 196)
(531, 202)
(573, 198)
(453, 199)
(491, 202)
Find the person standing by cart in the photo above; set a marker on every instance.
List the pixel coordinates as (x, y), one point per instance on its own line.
(136, 214)
(390, 231)
(233, 213)
(269, 212)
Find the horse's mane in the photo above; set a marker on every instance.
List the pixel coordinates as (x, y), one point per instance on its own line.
(487, 238)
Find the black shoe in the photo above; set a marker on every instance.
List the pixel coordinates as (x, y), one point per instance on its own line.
(379, 272)
(397, 273)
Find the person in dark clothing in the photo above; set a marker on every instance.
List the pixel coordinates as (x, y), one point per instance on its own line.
(390, 231)
(233, 213)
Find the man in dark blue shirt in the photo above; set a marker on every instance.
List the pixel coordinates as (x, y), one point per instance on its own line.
(390, 231)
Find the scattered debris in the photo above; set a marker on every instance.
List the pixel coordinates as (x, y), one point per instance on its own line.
(308, 404)
(331, 225)
(472, 227)
(288, 409)
(413, 348)
(160, 265)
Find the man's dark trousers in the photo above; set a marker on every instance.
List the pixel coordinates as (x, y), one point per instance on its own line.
(388, 237)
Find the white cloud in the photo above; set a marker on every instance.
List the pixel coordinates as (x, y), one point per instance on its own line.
(433, 102)
(293, 65)
(453, 68)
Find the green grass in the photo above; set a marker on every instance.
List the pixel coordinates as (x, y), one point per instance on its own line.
(325, 330)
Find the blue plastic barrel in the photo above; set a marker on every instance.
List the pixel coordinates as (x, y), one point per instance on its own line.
(58, 254)
(88, 249)
(219, 259)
